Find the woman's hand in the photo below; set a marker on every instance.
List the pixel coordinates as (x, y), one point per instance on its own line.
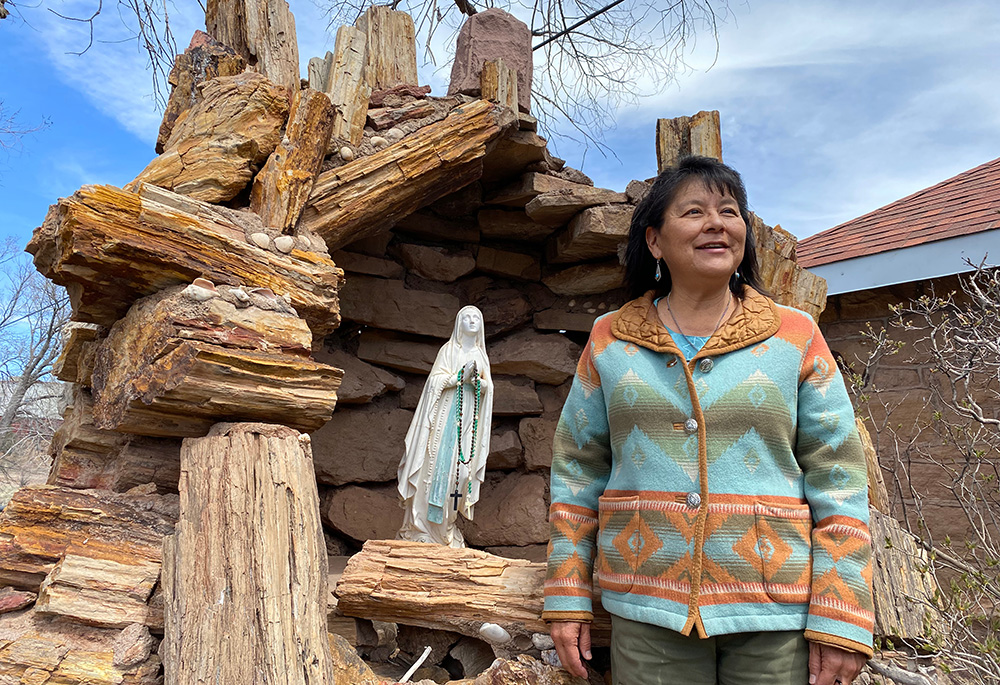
(572, 641)
(829, 665)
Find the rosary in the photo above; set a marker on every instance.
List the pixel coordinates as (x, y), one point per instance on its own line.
(475, 432)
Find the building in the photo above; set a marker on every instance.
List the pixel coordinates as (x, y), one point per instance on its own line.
(918, 245)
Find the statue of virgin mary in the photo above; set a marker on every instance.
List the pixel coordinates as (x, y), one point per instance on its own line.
(449, 438)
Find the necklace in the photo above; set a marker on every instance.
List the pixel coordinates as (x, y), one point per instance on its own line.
(717, 323)
(457, 494)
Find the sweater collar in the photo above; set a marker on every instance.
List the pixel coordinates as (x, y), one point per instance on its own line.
(638, 322)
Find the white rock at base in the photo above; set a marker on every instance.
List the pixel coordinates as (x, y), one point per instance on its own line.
(494, 634)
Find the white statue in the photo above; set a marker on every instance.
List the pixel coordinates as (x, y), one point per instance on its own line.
(440, 474)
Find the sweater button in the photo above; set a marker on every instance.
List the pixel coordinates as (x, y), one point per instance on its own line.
(690, 426)
(706, 365)
(693, 499)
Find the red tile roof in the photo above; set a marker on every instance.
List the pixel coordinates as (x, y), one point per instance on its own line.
(964, 204)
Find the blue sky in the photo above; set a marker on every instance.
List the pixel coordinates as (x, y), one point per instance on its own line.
(830, 108)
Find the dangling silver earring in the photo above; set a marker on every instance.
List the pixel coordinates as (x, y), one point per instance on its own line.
(659, 274)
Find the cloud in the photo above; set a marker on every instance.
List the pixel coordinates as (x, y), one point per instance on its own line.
(832, 109)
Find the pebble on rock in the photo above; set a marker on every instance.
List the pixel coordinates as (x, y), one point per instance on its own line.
(346, 154)
(379, 141)
(261, 240)
(198, 293)
(394, 135)
(284, 243)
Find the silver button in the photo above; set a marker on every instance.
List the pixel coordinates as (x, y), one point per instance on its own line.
(706, 365)
(693, 499)
(690, 426)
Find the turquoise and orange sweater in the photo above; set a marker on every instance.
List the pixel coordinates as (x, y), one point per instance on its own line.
(723, 494)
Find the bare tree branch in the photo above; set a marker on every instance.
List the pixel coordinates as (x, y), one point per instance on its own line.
(955, 336)
(596, 57)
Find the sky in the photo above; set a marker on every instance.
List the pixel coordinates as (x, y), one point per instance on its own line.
(829, 108)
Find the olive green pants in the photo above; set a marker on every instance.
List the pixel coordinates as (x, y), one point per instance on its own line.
(644, 654)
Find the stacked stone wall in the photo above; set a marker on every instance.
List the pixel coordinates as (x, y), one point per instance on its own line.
(403, 289)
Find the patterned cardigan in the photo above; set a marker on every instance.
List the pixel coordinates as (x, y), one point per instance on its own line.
(723, 494)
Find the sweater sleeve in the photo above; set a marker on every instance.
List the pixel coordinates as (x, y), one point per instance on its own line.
(581, 465)
(830, 453)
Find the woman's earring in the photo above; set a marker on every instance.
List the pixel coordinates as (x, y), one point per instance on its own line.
(659, 274)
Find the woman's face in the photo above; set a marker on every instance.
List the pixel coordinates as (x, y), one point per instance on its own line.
(470, 322)
(702, 238)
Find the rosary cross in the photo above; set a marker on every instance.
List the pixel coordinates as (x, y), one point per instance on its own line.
(456, 495)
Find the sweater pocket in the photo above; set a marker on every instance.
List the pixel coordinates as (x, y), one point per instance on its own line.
(784, 543)
(619, 542)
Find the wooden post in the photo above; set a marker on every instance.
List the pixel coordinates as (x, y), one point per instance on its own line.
(695, 135)
(260, 31)
(281, 188)
(499, 84)
(392, 47)
(341, 75)
(878, 496)
(370, 194)
(246, 593)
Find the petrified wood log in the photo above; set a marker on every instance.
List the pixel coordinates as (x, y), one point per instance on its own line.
(200, 354)
(214, 150)
(878, 496)
(694, 135)
(392, 47)
(262, 32)
(788, 283)
(245, 578)
(110, 247)
(41, 524)
(369, 194)
(499, 83)
(448, 589)
(84, 456)
(96, 590)
(40, 648)
(282, 187)
(341, 75)
(904, 588)
(204, 59)
(76, 361)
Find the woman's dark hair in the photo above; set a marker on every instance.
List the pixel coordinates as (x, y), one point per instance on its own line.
(639, 263)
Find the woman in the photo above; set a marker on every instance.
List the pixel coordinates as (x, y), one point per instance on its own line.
(440, 474)
(707, 456)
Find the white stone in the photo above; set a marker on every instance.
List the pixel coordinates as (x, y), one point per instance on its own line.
(284, 243)
(303, 243)
(542, 642)
(494, 634)
(346, 154)
(394, 135)
(379, 141)
(198, 294)
(261, 240)
(241, 295)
